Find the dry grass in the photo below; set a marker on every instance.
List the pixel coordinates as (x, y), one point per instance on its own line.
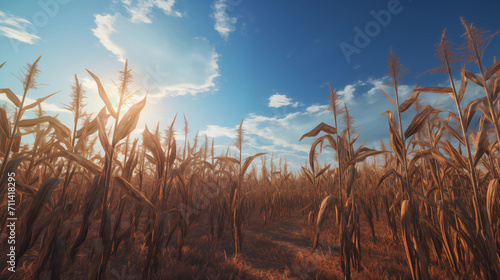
(157, 209)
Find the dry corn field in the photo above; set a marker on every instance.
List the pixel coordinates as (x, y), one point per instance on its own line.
(91, 202)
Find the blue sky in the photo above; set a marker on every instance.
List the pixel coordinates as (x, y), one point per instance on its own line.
(219, 61)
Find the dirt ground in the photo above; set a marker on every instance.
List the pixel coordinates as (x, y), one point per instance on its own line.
(279, 250)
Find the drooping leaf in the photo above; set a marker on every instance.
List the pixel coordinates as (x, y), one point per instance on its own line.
(11, 167)
(133, 192)
(409, 101)
(473, 77)
(386, 95)
(322, 211)
(11, 96)
(37, 102)
(463, 86)
(493, 69)
(248, 161)
(433, 89)
(92, 127)
(103, 95)
(103, 137)
(323, 170)
(470, 110)
(4, 123)
(228, 159)
(129, 121)
(386, 174)
(481, 141)
(359, 157)
(417, 122)
(87, 164)
(39, 201)
(320, 127)
(92, 199)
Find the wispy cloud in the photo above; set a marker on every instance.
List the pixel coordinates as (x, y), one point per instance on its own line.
(347, 94)
(46, 106)
(204, 84)
(219, 131)
(316, 108)
(141, 10)
(104, 30)
(16, 28)
(169, 65)
(280, 134)
(224, 24)
(279, 100)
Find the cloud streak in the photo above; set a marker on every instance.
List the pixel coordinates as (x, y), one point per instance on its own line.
(224, 24)
(279, 100)
(280, 134)
(141, 10)
(103, 32)
(16, 28)
(169, 65)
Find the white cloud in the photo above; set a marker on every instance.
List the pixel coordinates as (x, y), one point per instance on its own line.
(279, 100)
(224, 24)
(104, 30)
(280, 134)
(46, 106)
(16, 28)
(166, 64)
(347, 94)
(140, 10)
(316, 108)
(219, 131)
(207, 82)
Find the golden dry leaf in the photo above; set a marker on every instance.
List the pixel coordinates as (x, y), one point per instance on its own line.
(129, 121)
(133, 192)
(493, 69)
(308, 175)
(11, 96)
(406, 223)
(320, 127)
(470, 110)
(103, 95)
(386, 174)
(473, 77)
(323, 170)
(248, 161)
(4, 123)
(433, 89)
(454, 133)
(409, 101)
(92, 127)
(228, 159)
(87, 164)
(103, 137)
(463, 86)
(322, 211)
(491, 195)
(96, 258)
(389, 98)
(37, 102)
(417, 122)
